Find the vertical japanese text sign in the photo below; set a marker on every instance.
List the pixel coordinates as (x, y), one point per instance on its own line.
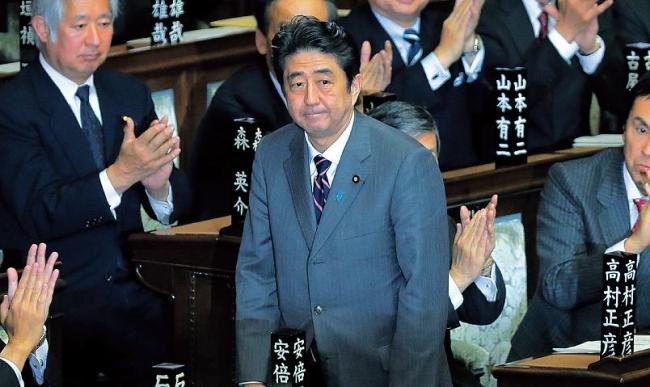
(619, 289)
(27, 37)
(167, 21)
(246, 136)
(169, 375)
(288, 358)
(511, 117)
(637, 60)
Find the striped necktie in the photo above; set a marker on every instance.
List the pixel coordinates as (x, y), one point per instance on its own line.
(321, 185)
(543, 24)
(415, 51)
(91, 126)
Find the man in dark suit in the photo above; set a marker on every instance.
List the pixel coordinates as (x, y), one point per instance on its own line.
(566, 59)
(587, 208)
(82, 151)
(333, 243)
(252, 91)
(23, 312)
(437, 56)
(477, 292)
(632, 22)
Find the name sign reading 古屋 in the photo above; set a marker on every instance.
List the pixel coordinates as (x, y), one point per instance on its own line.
(637, 59)
(288, 358)
(618, 312)
(511, 117)
(167, 21)
(27, 37)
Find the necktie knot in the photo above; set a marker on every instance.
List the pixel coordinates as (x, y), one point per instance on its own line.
(322, 165)
(412, 37)
(543, 23)
(83, 92)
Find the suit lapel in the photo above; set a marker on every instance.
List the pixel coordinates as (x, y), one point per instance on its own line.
(614, 218)
(111, 117)
(344, 190)
(296, 167)
(63, 125)
(518, 23)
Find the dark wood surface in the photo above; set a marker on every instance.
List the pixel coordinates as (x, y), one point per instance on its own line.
(197, 270)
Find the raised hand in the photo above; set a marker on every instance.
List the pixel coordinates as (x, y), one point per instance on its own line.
(376, 73)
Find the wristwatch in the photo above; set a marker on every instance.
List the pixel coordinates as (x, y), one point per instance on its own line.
(476, 47)
(41, 341)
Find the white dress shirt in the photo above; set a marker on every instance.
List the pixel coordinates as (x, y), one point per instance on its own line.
(333, 153)
(37, 360)
(436, 73)
(68, 89)
(633, 193)
(566, 49)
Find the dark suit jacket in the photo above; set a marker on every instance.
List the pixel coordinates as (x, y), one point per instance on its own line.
(449, 105)
(49, 183)
(474, 310)
(583, 211)
(368, 283)
(633, 25)
(7, 375)
(249, 92)
(559, 94)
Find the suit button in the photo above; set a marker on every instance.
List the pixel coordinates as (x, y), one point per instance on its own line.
(318, 310)
(108, 278)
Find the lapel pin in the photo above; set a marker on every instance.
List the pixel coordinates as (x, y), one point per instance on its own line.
(339, 196)
(356, 179)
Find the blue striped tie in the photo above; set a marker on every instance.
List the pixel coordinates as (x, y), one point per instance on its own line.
(321, 185)
(415, 52)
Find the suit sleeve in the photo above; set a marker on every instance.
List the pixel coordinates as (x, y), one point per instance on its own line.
(422, 247)
(258, 314)
(476, 309)
(568, 276)
(8, 376)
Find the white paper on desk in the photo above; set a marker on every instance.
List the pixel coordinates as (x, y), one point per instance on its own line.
(641, 342)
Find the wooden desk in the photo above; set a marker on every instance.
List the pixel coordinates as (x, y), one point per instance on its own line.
(196, 266)
(569, 370)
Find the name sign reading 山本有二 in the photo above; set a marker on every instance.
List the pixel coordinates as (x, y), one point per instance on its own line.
(167, 21)
(27, 37)
(618, 312)
(288, 358)
(169, 375)
(511, 117)
(637, 59)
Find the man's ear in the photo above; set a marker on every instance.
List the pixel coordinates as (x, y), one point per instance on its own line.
(355, 85)
(261, 43)
(41, 28)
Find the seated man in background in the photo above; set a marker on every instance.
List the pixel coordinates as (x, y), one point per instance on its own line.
(437, 55)
(588, 207)
(477, 292)
(23, 312)
(568, 53)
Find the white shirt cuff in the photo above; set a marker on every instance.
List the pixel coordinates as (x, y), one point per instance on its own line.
(566, 49)
(472, 71)
(488, 285)
(455, 296)
(591, 62)
(436, 74)
(620, 246)
(16, 371)
(112, 197)
(163, 210)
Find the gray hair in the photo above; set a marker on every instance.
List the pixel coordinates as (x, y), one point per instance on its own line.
(52, 12)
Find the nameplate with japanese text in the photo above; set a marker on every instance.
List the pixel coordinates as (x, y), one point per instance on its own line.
(288, 358)
(618, 312)
(27, 37)
(637, 63)
(167, 21)
(511, 116)
(246, 135)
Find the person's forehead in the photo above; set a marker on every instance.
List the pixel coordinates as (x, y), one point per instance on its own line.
(79, 9)
(313, 60)
(284, 10)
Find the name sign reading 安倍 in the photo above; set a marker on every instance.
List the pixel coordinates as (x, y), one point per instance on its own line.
(288, 358)
(618, 312)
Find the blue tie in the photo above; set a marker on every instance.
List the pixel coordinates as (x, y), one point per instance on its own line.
(321, 185)
(91, 126)
(415, 52)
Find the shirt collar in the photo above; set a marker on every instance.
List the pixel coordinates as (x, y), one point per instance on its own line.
(394, 30)
(67, 86)
(335, 151)
(630, 186)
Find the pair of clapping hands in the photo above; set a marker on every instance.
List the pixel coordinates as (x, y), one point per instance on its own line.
(24, 308)
(474, 242)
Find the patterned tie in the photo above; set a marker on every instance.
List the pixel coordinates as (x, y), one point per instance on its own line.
(91, 126)
(415, 52)
(543, 22)
(321, 185)
(639, 203)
